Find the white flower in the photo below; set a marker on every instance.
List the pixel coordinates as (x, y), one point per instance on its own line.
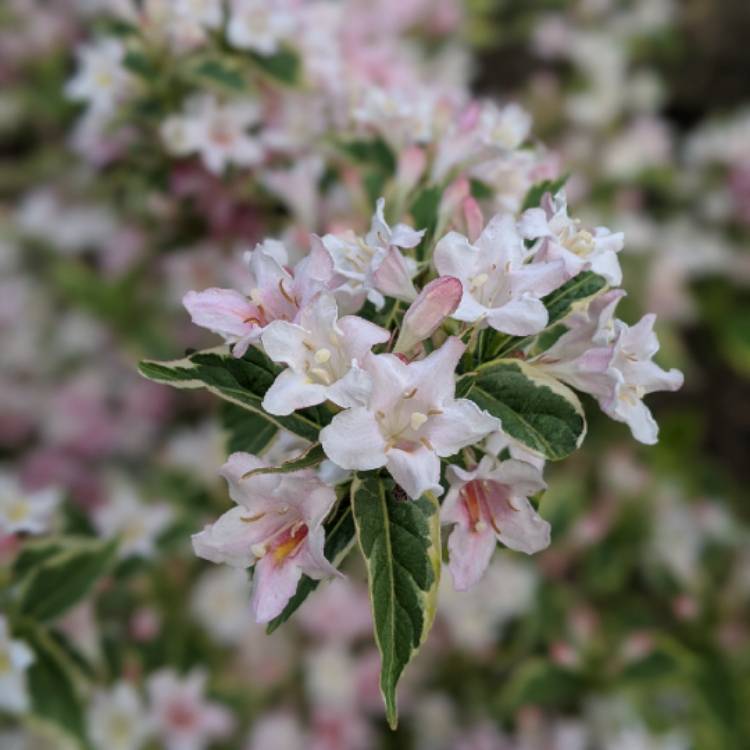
(135, 523)
(323, 354)
(22, 511)
(217, 131)
(560, 237)
(411, 420)
(102, 80)
(115, 719)
(260, 25)
(15, 658)
(373, 266)
(500, 286)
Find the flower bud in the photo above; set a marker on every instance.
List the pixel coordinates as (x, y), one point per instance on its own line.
(433, 305)
(411, 165)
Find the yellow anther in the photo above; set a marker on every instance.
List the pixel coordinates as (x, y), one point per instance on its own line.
(322, 356)
(417, 419)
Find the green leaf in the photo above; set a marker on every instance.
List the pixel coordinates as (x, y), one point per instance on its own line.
(61, 580)
(311, 457)
(138, 63)
(534, 408)
(221, 72)
(246, 431)
(284, 65)
(374, 151)
(52, 681)
(536, 192)
(243, 382)
(339, 541)
(34, 552)
(400, 541)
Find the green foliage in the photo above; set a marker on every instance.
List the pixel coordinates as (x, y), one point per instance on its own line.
(61, 579)
(242, 382)
(283, 66)
(311, 457)
(400, 541)
(222, 72)
(536, 192)
(53, 686)
(245, 431)
(537, 410)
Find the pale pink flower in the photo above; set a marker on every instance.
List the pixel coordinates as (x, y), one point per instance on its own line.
(181, 716)
(215, 130)
(323, 354)
(489, 504)
(436, 302)
(409, 422)
(502, 283)
(274, 293)
(374, 266)
(260, 25)
(612, 361)
(279, 730)
(560, 237)
(16, 657)
(277, 526)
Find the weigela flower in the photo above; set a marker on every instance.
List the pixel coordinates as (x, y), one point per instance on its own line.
(15, 658)
(260, 25)
(135, 523)
(277, 526)
(560, 237)
(23, 511)
(502, 282)
(273, 293)
(409, 422)
(115, 718)
(374, 266)
(323, 354)
(482, 132)
(181, 716)
(489, 504)
(612, 361)
(101, 81)
(215, 130)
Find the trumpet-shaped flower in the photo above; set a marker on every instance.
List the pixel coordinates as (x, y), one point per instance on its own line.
(215, 130)
(181, 716)
(260, 25)
(277, 527)
(323, 355)
(410, 420)
(15, 658)
(560, 237)
(273, 293)
(374, 266)
(115, 718)
(613, 362)
(102, 80)
(501, 284)
(25, 511)
(489, 504)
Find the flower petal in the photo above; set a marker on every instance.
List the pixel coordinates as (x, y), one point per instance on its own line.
(469, 555)
(462, 423)
(353, 440)
(291, 391)
(415, 471)
(273, 586)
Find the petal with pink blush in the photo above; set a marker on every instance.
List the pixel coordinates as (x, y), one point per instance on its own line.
(469, 553)
(520, 317)
(273, 586)
(462, 423)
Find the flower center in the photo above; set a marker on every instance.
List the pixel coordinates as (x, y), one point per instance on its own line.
(474, 496)
(283, 543)
(18, 511)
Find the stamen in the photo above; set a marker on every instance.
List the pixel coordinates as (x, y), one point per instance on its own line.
(321, 374)
(258, 550)
(409, 394)
(284, 293)
(427, 444)
(322, 356)
(256, 295)
(434, 412)
(251, 519)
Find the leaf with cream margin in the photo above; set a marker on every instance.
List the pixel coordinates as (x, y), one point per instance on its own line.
(243, 382)
(534, 408)
(400, 541)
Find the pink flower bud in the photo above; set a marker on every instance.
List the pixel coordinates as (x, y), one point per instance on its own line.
(473, 218)
(411, 165)
(433, 305)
